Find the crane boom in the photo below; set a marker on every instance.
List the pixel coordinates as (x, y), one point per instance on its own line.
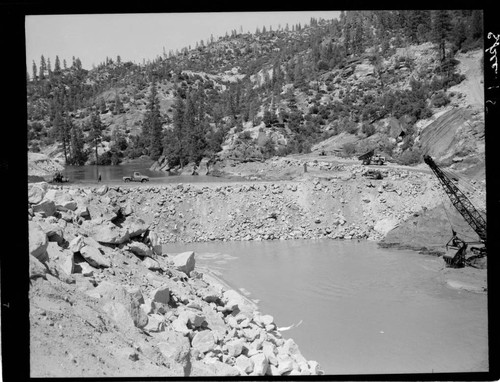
(459, 200)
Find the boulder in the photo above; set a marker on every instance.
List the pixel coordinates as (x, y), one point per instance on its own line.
(215, 368)
(37, 268)
(38, 241)
(102, 190)
(203, 341)
(114, 292)
(285, 365)
(235, 347)
(156, 323)
(290, 347)
(260, 364)
(180, 326)
(151, 264)
(84, 268)
(118, 312)
(82, 211)
(127, 210)
(173, 345)
(76, 244)
(195, 319)
(94, 257)
(268, 349)
(215, 322)
(135, 226)
(53, 231)
(314, 367)
(63, 258)
(244, 364)
(161, 295)
(383, 226)
(109, 234)
(184, 262)
(102, 212)
(233, 298)
(45, 207)
(155, 243)
(36, 192)
(139, 249)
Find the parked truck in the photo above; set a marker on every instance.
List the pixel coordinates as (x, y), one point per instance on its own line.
(136, 177)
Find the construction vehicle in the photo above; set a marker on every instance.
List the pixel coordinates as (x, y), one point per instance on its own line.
(458, 252)
(370, 157)
(373, 174)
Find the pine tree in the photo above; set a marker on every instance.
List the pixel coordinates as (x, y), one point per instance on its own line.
(34, 71)
(95, 134)
(42, 68)
(152, 125)
(441, 27)
(118, 109)
(57, 66)
(49, 68)
(78, 156)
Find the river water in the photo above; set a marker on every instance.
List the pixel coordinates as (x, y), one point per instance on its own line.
(364, 309)
(114, 174)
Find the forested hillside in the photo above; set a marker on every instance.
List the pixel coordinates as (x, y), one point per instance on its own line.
(367, 80)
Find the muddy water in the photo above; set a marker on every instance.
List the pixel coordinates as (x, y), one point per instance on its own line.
(364, 310)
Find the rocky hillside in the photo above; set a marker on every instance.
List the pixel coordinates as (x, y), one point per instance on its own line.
(315, 87)
(114, 304)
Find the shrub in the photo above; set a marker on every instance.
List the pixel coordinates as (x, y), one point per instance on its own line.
(440, 99)
(351, 128)
(410, 157)
(368, 129)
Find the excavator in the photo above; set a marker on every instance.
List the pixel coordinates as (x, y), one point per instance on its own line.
(459, 254)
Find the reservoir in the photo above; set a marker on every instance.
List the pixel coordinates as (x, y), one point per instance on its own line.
(361, 309)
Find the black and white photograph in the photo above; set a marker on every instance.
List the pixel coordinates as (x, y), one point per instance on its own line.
(257, 194)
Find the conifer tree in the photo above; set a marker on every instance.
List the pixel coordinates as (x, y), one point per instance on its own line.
(57, 66)
(42, 68)
(78, 156)
(441, 26)
(95, 135)
(152, 125)
(34, 71)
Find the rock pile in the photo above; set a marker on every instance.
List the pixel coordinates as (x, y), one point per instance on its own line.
(186, 319)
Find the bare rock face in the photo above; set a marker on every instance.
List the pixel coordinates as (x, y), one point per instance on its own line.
(184, 262)
(38, 242)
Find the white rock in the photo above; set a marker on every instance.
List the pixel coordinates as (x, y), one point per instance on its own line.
(184, 262)
(203, 341)
(244, 364)
(38, 241)
(94, 257)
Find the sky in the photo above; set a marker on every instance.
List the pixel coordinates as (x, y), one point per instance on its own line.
(139, 36)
